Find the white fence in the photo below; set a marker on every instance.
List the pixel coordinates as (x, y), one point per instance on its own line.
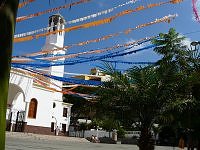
(130, 134)
(101, 133)
(89, 133)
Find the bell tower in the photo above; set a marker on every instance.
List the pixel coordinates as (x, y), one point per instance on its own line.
(56, 22)
(56, 41)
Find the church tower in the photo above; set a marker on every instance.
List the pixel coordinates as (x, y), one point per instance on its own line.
(56, 22)
(56, 41)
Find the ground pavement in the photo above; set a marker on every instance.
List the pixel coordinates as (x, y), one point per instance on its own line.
(28, 141)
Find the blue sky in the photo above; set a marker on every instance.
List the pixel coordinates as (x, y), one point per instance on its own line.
(183, 24)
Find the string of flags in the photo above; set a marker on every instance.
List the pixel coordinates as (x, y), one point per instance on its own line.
(164, 19)
(95, 23)
(41, 53)
(195, 10)
(54, 57)
(67, 80)
(89, 59)
(44, 82)
(31, 58)
(22, 18)
(104, 12)
(31, 63)
(135, 43)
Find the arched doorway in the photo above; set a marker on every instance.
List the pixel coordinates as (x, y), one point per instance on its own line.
(15, 113)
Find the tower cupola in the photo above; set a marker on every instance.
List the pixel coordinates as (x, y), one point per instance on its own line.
(56, 23)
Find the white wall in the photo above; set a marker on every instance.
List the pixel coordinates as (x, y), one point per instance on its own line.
(45, 111)
(57, 113)
(44, 108)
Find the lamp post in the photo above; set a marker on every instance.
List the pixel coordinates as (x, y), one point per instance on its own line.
(195, 44)
(194, 47)
(97, 131)
(195, 55)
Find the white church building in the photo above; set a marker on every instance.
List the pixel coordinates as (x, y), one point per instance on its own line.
(35, 109)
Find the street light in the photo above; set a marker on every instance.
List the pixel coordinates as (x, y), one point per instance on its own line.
(195, 56)
(195, 43)
(97, 131)
(194, 46)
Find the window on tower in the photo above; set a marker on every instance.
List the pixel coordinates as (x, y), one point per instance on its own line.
(55, 23)
(61, 21)
(50, 20)
(55, 20)
(54, 28)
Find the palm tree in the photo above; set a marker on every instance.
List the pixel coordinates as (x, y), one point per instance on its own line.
(8, 11)
(149, 93)
(170, 46)
(150, 99)
(142, 92)
(184, 66)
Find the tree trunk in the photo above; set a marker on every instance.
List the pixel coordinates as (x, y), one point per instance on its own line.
(8, 11)
(145, 141)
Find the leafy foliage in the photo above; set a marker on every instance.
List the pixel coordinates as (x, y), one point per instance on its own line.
(153, 94)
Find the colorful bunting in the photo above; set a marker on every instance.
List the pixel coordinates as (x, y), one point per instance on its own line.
(164, 19)
(195, 11)
(95, 23)
(22, 18)
(93, 58)
(30, 62)
(67, 80)
(104, 12)
(135, 43)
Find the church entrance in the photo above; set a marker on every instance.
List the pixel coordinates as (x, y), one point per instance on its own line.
(19, 125)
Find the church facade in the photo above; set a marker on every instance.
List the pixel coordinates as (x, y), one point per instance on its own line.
(34, 108)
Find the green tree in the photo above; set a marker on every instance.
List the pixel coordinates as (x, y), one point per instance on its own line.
(174, 52)
(8, 11)
(150, 93)
(142, 93)
(82, 107)
(109, 124)
(184, 65)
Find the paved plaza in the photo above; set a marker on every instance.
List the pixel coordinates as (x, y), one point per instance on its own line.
(21, 141)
